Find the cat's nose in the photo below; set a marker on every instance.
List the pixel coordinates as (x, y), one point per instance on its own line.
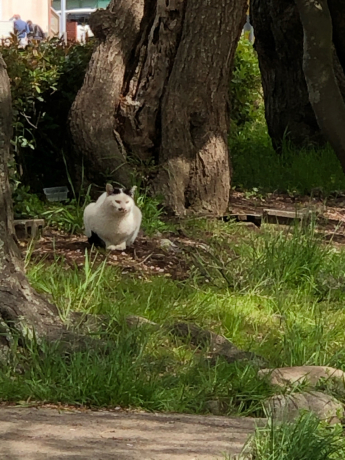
(120, 209)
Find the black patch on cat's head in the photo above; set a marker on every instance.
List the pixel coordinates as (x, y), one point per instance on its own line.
(117, 191)
(130, 191)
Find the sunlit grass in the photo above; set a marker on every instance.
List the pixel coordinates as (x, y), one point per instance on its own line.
(268, 292)
(305, 439)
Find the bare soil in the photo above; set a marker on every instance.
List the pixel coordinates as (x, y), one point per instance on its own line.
(45, 433)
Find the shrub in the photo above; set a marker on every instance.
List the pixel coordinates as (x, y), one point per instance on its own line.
(245, 87)
(45, 78)
(26, 205)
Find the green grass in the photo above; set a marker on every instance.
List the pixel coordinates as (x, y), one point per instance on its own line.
(134, 370)
(296, 171)
(276, 293)
(305, 439)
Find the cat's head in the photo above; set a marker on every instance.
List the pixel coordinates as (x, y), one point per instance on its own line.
(120, 200)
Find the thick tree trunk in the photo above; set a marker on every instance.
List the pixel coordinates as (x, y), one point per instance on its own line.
(337, 11)
(92, 114)
(324, 93)
(166, 94)
(279, 44)
(21, 309)
(194, 158)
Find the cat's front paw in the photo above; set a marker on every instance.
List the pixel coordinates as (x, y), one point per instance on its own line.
(118, 247)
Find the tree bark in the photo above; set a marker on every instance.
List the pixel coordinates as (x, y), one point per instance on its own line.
(165, 94)
(318, 66)
(194, 157)
(337, 11)
(92, 114)
(279, 44)
(22, 311)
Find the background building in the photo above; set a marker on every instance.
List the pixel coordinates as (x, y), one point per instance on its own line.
(73, 4)
(46, 14)
(36, 10)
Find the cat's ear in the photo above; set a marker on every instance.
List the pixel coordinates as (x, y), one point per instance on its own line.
(109, 189)
(130, 191)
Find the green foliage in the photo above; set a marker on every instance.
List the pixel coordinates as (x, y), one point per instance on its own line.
(256, 166)
(305, 439)
(33, 73)
(26, 205)
(44, 77)
(153, 215)
(285, 259)
(67, 217)
(297, 171)
(277, 259)
(279, 304)
(245, 87)
(126, 371)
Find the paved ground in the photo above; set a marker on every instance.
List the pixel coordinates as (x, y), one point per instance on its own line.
(37, 434)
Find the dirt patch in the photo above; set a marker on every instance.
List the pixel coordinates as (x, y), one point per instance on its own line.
(37, 434)
(146, 258)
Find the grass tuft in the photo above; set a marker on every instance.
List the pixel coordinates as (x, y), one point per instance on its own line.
(306, 439)
(301, 171)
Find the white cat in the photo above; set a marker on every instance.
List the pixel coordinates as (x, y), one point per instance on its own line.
(114, 220)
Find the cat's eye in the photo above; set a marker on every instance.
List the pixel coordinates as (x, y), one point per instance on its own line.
(127, 202)
(119, 202)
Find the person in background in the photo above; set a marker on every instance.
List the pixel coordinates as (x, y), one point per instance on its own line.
(21, 29)
(36, 32)
(83, 33)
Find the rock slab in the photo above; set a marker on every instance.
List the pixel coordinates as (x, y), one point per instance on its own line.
(310, 375)
(288, 407)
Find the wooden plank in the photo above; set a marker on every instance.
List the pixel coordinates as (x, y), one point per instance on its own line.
(29, 228)
(278, 216)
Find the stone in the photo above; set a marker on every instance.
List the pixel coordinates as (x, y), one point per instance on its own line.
(288, 407)
(134, 321)
(219, 346)
(85, 323)
(168, 245)
(214, 406)
(309, 375)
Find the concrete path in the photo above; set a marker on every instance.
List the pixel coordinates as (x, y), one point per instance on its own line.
(37, 434)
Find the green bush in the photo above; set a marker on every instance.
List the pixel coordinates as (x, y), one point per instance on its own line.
(245, 87)
(44, 77)
(26, 205)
